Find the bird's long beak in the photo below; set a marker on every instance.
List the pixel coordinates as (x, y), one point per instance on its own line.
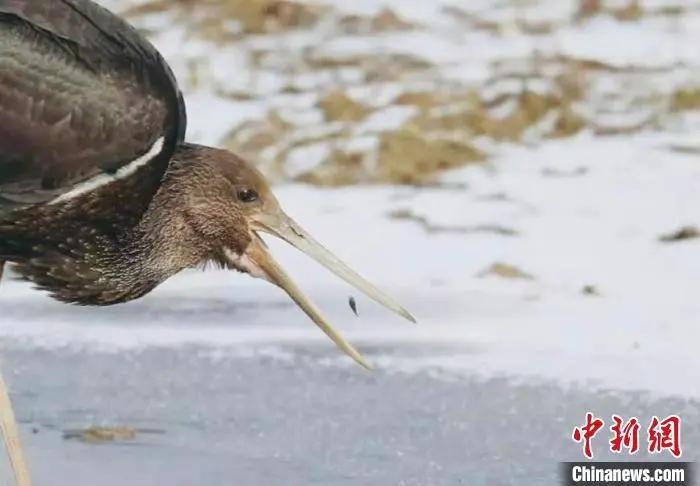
(260, 263)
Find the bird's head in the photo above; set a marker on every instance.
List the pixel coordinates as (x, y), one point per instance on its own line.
(230, 204)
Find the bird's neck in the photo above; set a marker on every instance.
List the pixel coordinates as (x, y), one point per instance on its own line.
(105, 247)
(155, 250)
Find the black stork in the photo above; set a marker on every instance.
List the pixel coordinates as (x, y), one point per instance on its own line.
(101, 198)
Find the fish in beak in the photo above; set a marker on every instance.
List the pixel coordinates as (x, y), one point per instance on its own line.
(258, 262)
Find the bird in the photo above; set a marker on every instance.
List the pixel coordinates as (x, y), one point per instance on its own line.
(101, 197)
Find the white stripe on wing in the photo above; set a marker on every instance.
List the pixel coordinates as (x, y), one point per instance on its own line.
(104, 179)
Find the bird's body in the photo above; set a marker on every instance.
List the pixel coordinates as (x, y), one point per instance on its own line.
(82, 94)
(111, 246)
(101, 199)
(85, 102)
(93, 119)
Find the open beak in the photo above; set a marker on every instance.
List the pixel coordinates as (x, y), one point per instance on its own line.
(259, 262)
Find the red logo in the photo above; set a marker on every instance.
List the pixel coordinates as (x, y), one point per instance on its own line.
(665, 435)
(625, 435)
(662, 435)
(586, 433)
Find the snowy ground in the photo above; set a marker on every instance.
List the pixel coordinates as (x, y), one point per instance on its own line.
(596, 223)
(244, 387)
(592, 312)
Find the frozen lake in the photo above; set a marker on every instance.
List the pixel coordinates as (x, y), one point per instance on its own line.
(220, 419)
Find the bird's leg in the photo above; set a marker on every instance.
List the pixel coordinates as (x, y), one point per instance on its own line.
(10, 434)
(10, 431)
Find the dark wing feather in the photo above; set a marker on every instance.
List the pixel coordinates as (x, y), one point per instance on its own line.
(81, 93)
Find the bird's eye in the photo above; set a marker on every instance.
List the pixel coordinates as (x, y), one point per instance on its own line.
(248, 195)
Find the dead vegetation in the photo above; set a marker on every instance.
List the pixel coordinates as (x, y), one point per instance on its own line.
(628, 12)
(375, 68)
(212, 19)
(338, 106)
(505, 118)
(440, 136)
(682, 234)
(409, 156)
(340, 168)
(434, 228)
(685, 99)
(505, 270)
(387, 20)
(453, 123)
(96, 435)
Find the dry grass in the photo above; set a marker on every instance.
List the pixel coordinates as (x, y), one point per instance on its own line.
(375, 68)
(548, 98)
(466, 114)
(505, 270)
(681, 234)
(439, 137)
(409, 156)
(101, 434)
(433, 228)
(685, 99)
(386, 20)
(211, 18)
(630, 12)
(340, 168)
(338, 106)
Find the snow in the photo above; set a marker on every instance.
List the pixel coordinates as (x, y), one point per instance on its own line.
(587, 211)
(598, 228)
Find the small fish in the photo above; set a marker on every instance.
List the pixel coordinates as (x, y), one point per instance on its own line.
(353, 305)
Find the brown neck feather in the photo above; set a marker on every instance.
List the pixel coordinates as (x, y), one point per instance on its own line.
(103, 248)
(116, 243)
